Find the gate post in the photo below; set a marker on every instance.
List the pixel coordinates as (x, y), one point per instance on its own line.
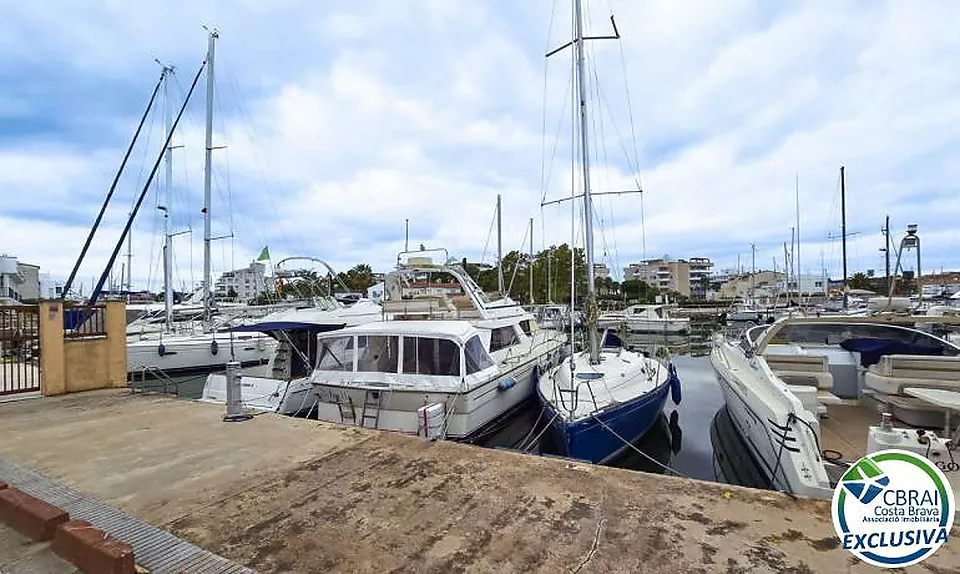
(52, 370)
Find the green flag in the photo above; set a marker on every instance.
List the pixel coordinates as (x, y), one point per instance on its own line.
(264, 254)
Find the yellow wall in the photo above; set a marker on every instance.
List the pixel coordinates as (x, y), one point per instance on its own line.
(82, 364)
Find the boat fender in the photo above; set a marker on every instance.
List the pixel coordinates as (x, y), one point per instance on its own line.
(507, 383)
(535, 375)
(261, 345)
(214, 347)
(674, 385)
(162, 350)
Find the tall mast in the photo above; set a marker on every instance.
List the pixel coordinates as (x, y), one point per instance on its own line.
(129, 263)
(168, 202)
(753, 273)
(499, 248)
(793, 269)
(843, 231)
(549, 275)
(886, 251)
(591, 307)
(798, 271)
(531, 261)
(207, 175)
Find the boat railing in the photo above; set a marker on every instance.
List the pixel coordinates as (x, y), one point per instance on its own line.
(165, 381)
(573, 392)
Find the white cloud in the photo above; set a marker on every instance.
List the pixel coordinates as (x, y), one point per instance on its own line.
(356, 120)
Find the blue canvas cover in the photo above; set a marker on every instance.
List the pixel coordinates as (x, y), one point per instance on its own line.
(872, 349)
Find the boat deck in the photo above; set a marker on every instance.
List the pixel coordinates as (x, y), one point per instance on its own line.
(845, 429)
(283, 494)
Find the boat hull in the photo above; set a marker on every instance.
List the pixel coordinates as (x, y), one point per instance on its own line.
(592, 439)
(198, 352)
(636, 325)
(471, 411)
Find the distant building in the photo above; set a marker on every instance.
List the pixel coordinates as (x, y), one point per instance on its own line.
(18, 281)
(701, 271)
(945, 283)
(375, 292)
(809, 285)
(50, 288)
(247, 283)
(601, 271)
(763, 286)
(664, 274)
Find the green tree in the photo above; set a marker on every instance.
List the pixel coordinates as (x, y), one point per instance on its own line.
(859, 281)
(639, 290)
(358, 278)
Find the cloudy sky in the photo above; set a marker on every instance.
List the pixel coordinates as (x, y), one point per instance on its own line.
(343, 119)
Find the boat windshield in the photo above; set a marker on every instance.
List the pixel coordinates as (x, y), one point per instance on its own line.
(477, 358)
(753, 334)
(836, 333)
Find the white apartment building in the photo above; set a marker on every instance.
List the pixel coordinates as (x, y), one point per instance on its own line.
(601, 271)
(248, 283)
(18, 281)
(809, 284)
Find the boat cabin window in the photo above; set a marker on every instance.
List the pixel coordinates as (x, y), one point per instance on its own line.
(335, 354)
(503, 337)
(429, 356)
(525, 327)
(378, 353)
(477, 358)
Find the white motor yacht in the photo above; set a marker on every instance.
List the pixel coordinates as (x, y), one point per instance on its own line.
(810, 396)
(645, 319)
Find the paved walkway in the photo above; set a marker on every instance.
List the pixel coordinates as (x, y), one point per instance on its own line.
(282, 494)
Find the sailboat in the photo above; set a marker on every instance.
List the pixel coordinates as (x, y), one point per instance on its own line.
(168, 351)
(602, 399)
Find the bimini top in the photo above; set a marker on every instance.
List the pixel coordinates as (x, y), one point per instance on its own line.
(461, 330)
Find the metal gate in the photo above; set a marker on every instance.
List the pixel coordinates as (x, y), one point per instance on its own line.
(19, 349)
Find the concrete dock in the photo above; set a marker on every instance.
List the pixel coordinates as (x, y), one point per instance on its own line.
(280, 494)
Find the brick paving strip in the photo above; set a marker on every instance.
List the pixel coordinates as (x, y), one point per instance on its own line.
(88, 520)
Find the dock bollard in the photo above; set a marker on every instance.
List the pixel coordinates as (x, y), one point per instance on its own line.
(234, 399)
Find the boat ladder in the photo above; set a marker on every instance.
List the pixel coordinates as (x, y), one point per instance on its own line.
(371, 408)
(347, 411)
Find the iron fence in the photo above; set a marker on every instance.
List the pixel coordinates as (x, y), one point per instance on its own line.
(84, 321)
(19, 349)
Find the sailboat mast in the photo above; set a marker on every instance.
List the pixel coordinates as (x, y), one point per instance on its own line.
(591, 307)
(843, 231)
(886, 251)
(499, 248)
(129, 263)
(168, 202)
(207, 176)
(798, 272)
(531, 261)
